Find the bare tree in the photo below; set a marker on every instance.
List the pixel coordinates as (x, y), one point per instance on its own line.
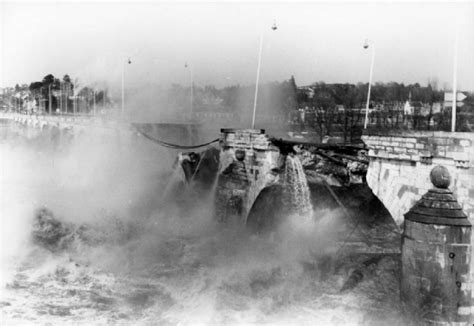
(325, 112)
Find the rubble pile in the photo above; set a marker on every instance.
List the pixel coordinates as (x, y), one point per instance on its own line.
(338, 166)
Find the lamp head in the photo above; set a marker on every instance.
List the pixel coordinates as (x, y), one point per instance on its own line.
(129, 61)
(274, 26)
(366, 44)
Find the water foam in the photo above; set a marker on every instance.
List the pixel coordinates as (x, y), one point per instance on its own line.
(171, 269)
(296, 187)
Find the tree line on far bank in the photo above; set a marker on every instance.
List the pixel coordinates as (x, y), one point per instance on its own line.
(54, 94)
(355, 95)
(282, 98)
(340, 108)
(329, 106)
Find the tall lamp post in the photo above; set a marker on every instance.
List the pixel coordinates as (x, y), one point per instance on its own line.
(366, 46)
(67, 96)
(274, 27)
(50, 99)
(455, 77)
(191, 72)
(123, 87)
(93, 102)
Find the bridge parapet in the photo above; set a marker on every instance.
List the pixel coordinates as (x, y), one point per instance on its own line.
(400, 164)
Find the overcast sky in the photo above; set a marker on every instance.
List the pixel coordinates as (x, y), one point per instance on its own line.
(315, 41)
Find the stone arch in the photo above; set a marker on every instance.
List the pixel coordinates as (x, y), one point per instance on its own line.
(267, 210)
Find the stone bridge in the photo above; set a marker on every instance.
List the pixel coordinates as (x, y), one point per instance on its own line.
(400, 165)
(399, 175)
(398, 172)
(186, 133)
(63, 124)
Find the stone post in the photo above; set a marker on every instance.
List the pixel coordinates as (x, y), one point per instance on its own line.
(436, 255)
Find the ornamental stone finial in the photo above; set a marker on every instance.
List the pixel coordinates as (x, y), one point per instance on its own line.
(440, 177)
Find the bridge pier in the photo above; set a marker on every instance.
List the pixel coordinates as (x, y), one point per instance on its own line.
(247, 158)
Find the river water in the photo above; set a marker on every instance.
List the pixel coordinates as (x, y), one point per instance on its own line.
(134, 257)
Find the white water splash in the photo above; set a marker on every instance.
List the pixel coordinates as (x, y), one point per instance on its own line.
(170, 267)
(297, 186)
(177, 176)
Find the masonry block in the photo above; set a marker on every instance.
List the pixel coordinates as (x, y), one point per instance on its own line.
(465, 142)
(242, 176)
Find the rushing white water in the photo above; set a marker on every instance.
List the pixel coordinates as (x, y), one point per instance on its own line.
(177, 177)
(297, 186)
(134, 266)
